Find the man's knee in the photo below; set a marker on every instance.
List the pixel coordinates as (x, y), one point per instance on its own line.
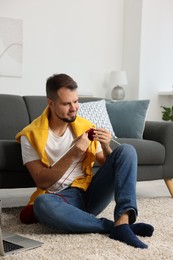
(128, 148)
(40, 202)
(126, 151)
(45, 202)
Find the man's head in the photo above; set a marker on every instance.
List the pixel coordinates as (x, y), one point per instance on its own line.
(58, 81)
(62, 97)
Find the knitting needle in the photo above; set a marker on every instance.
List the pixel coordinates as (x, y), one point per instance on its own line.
(115, 141)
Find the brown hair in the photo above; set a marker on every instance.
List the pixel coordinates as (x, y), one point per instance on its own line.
(58, 81)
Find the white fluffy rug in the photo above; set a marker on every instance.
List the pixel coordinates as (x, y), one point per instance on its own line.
(156, 211)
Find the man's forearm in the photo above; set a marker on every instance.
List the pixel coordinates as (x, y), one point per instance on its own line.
(106, 150)
(48, 176)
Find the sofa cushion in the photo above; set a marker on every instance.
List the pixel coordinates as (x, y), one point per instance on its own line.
(149, 152)
(12, 172)
(128, 117)
(11, 158)
(13, 114)
(35, 105)
(96, 112)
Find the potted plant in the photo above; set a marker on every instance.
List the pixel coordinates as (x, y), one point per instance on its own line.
(167, 113)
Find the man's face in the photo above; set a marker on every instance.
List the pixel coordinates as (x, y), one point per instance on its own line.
(66, 105)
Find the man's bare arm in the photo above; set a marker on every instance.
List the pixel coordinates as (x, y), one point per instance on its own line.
(45, 177)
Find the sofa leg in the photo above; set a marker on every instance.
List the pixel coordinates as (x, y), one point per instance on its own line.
(169, 184)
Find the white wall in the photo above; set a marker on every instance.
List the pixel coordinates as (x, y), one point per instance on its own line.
(156, 56)
(148, 52)
(132, 46)
(89, 39)
(81, 38)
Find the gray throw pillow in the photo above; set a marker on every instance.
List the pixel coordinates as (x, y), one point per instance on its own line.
(128, 117)
(96, 112)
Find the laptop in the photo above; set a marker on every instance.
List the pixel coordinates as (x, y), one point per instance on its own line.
(11, 243)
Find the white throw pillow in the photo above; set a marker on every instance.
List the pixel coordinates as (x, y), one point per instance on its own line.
(96, 112)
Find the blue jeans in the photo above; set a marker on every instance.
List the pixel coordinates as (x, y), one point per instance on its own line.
(74, 211)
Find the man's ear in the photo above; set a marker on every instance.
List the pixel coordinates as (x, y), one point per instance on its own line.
(49, 102)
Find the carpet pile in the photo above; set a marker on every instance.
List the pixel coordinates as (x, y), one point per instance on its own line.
(156, 211)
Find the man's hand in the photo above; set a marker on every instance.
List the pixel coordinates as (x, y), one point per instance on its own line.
(80, 145)
(103, 136)
(45, 177)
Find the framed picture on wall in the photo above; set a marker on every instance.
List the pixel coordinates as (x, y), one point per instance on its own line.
(11, 47)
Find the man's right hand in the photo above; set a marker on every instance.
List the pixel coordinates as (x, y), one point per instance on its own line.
(80, 144)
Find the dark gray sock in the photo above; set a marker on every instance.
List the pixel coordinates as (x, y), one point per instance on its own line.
(142, 229)
(123, 233)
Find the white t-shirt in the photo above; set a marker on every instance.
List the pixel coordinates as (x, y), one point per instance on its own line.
(55, 148)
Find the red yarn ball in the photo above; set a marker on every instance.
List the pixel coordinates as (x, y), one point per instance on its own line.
(90, 134)
(27, 215)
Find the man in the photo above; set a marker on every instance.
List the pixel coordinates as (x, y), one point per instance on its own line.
(59, 156)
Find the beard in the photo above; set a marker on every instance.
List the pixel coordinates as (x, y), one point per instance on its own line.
(67, 120)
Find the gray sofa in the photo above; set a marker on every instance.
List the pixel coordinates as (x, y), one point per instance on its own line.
(154, 150)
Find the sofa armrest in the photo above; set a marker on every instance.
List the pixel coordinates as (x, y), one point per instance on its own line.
(162, 132)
